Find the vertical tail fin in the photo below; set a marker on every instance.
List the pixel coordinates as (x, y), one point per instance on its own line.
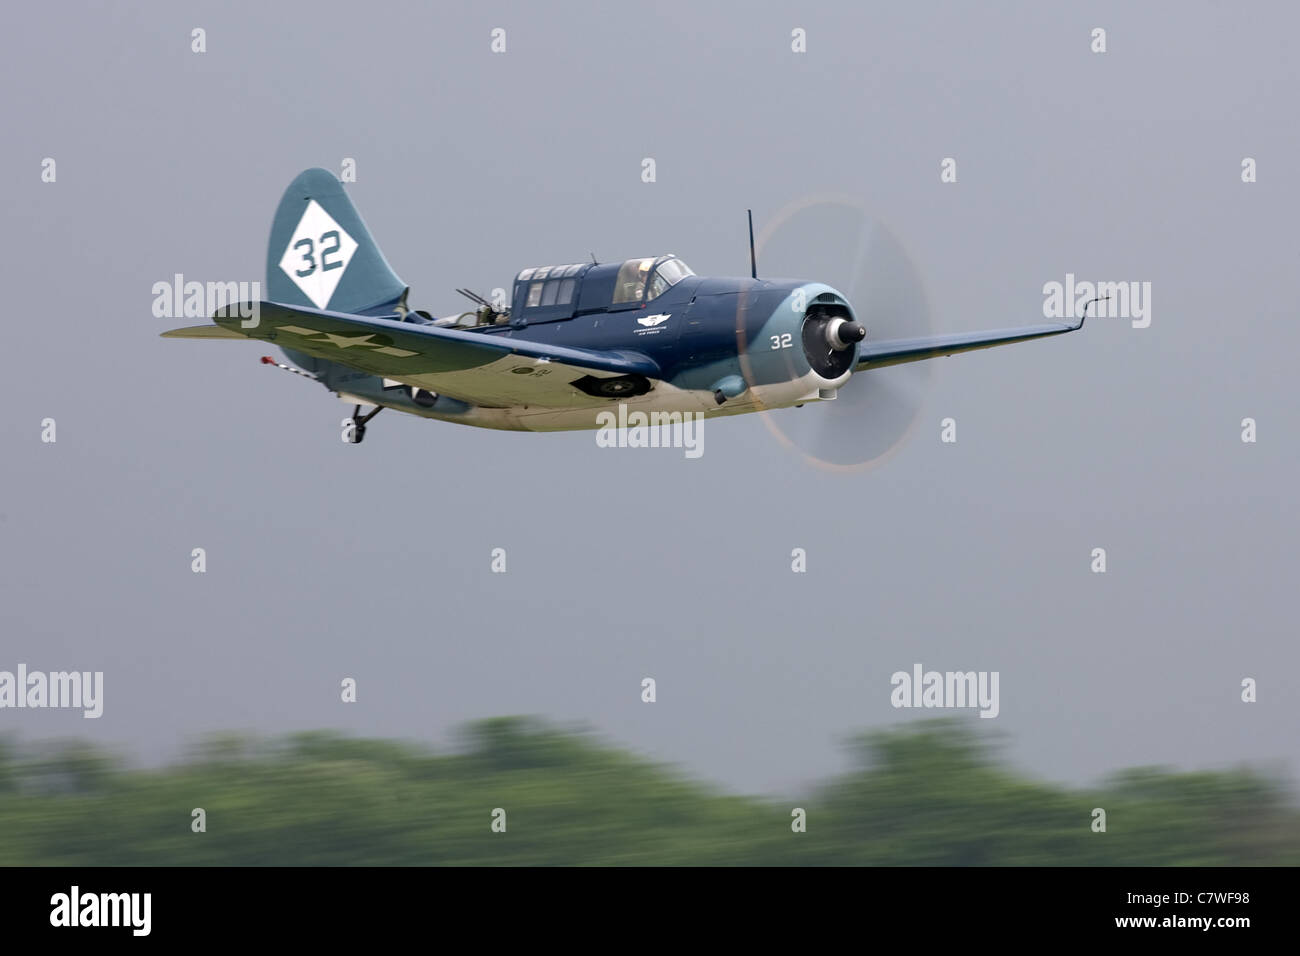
(321, 254)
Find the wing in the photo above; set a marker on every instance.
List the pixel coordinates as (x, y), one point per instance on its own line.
(896, 351)
(476, 367)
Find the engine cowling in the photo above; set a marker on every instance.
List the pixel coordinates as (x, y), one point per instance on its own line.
(799, 341)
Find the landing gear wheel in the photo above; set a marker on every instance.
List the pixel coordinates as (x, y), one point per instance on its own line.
(358, 431)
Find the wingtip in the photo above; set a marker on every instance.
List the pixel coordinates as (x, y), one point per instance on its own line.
(1083, 318)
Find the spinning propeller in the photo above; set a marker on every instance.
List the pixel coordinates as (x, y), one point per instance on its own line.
(835, 241)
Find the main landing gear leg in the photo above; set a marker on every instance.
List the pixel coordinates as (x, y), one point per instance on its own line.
(359, 423)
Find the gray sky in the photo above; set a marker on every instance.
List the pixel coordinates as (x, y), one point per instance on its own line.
(327, 560)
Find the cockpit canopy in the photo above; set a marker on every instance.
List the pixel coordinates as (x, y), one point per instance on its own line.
(631, 281)
(549, 292)
(549, 285)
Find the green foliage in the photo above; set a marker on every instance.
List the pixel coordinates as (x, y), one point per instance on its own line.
(932, 793)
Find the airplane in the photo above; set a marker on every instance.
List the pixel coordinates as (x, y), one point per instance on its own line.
(575, 339)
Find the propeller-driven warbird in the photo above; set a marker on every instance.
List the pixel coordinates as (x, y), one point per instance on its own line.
(574, 340)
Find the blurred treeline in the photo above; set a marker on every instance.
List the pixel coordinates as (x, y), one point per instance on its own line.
(930, 793)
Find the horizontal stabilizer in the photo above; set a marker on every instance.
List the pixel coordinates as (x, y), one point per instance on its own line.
(203, 332)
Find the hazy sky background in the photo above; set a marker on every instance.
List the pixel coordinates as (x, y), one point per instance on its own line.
(327, 560)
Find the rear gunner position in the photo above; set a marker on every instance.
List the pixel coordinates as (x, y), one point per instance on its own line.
(577, 339)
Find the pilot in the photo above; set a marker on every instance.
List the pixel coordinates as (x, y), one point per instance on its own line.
(633, 287)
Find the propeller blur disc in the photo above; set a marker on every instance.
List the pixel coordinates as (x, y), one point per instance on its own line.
(834, 240)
